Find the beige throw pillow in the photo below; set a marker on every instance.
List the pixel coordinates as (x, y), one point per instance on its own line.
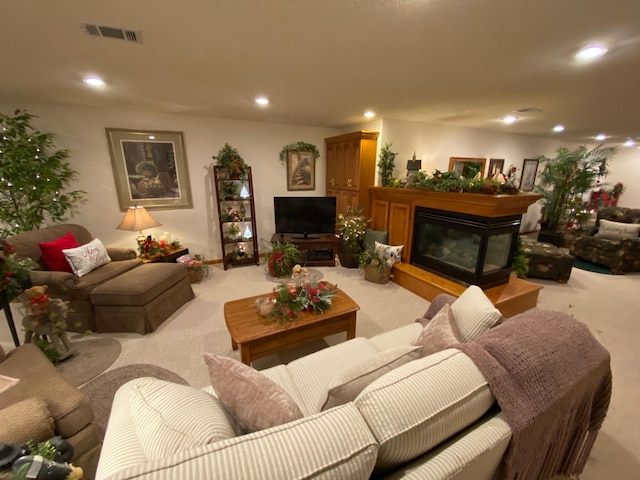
(349, 382)
(169, 417)
(474, 313)
(440, 333)
(617, 230)
(255, 401)
(87, 257)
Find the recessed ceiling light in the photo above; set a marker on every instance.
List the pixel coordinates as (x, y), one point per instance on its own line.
(152, 137)
(509, 119)
(590, 52)
(369, 114)
(558, 128)
(601, 137)
(93, 81)
(629, 143)
(262, 101)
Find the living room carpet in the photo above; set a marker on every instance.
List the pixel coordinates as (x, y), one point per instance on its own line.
(101, 390)
(93, 357)
(591, 267)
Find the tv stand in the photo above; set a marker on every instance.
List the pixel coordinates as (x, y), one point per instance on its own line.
(305, 236)
(316, 250)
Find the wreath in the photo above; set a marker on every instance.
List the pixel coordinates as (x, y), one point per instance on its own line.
(298, 147)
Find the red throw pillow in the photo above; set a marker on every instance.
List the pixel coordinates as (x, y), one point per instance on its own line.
(52, 254)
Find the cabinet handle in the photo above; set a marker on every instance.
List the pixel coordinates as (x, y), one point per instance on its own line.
(333, 182)
(348, 182)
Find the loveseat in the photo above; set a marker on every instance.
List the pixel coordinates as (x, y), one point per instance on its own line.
(376, 407)
(121, 295)
(613, 241)
(44, 404)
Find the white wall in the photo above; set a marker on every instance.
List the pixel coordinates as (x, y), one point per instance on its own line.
(82, 131)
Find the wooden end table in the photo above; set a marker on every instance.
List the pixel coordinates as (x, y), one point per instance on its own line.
(258, 337)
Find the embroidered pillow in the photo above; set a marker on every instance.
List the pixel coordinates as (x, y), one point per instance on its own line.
(440, 333)
(349, 382)
(52, 254)
(390, 252)
(617, 230)
(255, 401)
(87, 257)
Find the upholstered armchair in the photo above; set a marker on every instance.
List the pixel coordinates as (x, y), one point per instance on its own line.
(68, 286)
(613, 242)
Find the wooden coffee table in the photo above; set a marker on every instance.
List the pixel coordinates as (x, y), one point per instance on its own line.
(258, 337)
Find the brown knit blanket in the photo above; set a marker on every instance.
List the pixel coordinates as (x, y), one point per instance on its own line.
(552, 380)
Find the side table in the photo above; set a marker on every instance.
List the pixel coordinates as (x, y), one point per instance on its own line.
(171, 257)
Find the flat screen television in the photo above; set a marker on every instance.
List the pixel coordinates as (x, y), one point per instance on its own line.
(305, 217)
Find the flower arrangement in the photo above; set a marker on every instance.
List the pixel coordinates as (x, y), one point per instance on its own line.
(282, 258)
(197, 266)
(292, 299)
(153, 248)
(351, 226)
(375, 258)
(14, 272)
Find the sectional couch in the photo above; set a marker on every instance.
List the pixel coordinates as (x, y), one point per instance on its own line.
(384, 407)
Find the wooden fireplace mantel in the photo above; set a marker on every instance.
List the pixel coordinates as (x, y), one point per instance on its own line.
(393, 209)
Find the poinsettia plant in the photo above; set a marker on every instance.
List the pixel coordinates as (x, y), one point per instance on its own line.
(282, 257)
(14, 272)
(293, 299)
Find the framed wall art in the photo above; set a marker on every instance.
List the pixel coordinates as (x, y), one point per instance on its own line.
(529, 171)
(301, 171)
(496, 165)
(150, 169)
(467, 167)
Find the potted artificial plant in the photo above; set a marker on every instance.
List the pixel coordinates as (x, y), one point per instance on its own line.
(374, 263)
(281, 259)
(386, 164)
(563, 182)
(229, 159)
(351, 227)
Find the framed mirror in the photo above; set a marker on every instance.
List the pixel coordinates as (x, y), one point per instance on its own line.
(467, 167)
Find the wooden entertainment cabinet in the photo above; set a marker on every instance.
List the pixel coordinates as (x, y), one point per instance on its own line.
(316, 250)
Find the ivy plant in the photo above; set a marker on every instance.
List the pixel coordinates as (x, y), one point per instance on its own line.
(33, 176)
(298, 147)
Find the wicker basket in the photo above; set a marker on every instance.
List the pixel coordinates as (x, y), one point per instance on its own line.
(195, 275)
(372, 274)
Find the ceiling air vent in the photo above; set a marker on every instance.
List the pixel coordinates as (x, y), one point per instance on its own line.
(112, 32)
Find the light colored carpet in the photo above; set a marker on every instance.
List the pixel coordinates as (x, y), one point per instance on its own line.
(608, 304)
(94, 356)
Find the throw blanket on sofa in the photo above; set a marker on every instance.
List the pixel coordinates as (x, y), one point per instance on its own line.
(552, 380)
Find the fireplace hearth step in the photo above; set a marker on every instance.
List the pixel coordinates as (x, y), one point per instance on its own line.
(510, 298)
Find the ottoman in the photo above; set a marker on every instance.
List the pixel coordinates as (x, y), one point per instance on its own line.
(547, 261)
(141, 299)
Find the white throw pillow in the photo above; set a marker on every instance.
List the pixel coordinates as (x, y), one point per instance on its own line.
(169, 417)
(617, 230)
(392, 253)
(87, 257)
(474, 313)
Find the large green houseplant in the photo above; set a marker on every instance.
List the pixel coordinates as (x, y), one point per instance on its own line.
(33, 176)
(563, 182)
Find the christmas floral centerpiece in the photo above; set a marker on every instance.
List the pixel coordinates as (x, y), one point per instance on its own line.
(14, 272)
(292, 299)
(351, 226)
(197, 267)
(152, 248)
(282, 258)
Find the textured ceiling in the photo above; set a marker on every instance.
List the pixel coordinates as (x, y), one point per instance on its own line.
(324, 62)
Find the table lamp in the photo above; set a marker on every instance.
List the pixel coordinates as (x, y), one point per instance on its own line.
(137, 218)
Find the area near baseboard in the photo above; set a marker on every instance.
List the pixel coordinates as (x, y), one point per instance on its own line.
(511, 298)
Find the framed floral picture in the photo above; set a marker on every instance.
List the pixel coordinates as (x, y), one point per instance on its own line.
(150, 169)
(496, 165)
(301, 171)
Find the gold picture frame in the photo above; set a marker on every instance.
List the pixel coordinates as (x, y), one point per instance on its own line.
(463, 165)
(301, 170)
(150, 168)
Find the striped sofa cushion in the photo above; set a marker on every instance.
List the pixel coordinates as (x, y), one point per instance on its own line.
(169, 417)
(415, 407)
(474, 313)
(334, 444)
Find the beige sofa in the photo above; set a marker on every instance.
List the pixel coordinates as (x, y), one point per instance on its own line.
(44, 404)
(433, 417)
(123, 295)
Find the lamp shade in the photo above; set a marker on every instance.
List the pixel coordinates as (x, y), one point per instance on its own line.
(137, 219)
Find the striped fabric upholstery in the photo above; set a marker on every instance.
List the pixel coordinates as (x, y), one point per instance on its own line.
(334, 444)
(281, 376)
(474, 313)
(313, 372)
(474, 454)
(415, 407)
(169, 417)
(398, 336)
